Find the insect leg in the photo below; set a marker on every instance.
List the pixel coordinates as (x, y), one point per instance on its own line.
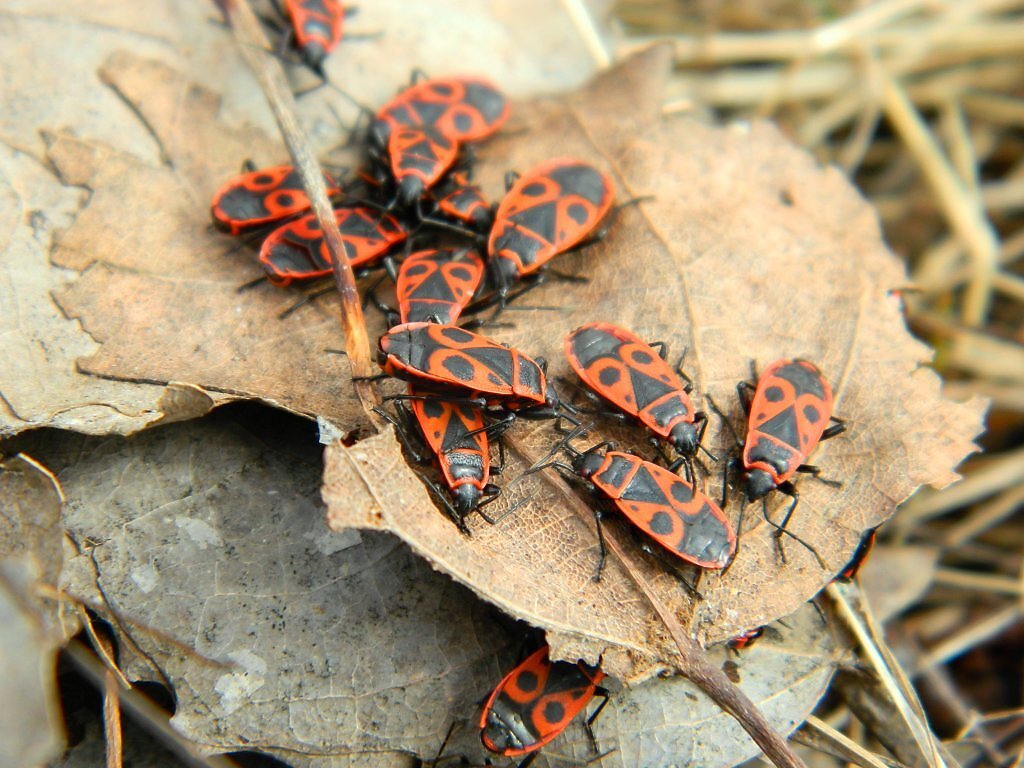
(449, 508)
(725, 419)
(306, 299)
(447, 737)
(683, 374)
(661, 346)
(836, 429)
(590, 720)
(745, 392)
(815, 472)
(251, 284)
(600, 542)
(702, 418)
(402, 430)
(780, 529)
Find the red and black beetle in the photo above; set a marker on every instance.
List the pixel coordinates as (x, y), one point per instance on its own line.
(627, 372)
(260, 197)
(535, 702)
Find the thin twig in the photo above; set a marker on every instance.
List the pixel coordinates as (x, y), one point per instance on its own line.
(964, 214)
(990, 477)
(846, 747)
(1004, 505)
(583, 21)
(111, 708)
(694, 666)
(143, 711)
(889, 674)
(255, 49)
(976, 633)
(979, 582)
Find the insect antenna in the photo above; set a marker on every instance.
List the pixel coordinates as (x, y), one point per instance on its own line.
(562, 445)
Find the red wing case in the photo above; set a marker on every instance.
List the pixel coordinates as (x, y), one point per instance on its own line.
(262, 197)
(791, 408)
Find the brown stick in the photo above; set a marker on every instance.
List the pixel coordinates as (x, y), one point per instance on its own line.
(256, 51)
(695, 667)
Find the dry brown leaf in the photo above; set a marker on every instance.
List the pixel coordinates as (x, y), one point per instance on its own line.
(749, 250)
(204, 546)
(141, 232)
(139, 306)
(38, 383)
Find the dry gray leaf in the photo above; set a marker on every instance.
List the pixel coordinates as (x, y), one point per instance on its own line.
(31, 556)
(664, 722)
(896, 577)
(748, 250)
(277, 635)
(32, 529)
(31, 729)
(207, 544)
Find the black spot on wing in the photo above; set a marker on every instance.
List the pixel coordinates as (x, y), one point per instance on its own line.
(804, 379)
(671, 408)
(527, 680)
(461, 369)
(457, 335)
(429, 113)
(706, 537)
(496, 359)
(615, 473)
(530, 376)
(578, 213)
(554, 712)
(582, 180)
(488, 101)
(243, 205)
(771, 453)
(565, 676)
(682, 492)
(661, 523)
(591, 344)
(433, 408)
(520, 242)
(434, 288)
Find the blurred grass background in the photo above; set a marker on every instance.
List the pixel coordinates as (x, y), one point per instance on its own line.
(921, 104)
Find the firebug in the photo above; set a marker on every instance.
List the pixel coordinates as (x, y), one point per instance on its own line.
(257, 198)
(627, 372)
(535, 702)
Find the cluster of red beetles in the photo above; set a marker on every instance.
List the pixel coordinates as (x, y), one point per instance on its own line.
(465, 390)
